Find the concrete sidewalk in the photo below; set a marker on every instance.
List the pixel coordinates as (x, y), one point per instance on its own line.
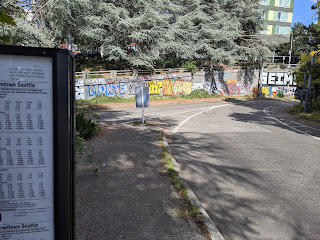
(131, 197)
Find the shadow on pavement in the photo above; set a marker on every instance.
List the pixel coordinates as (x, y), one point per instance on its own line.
(131, 197)
(278, 110)
(233, 191)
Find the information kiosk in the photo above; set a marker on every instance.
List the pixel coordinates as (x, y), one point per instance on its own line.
(36, 143)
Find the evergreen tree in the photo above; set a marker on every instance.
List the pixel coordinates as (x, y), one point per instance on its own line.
(130, 30)
(42, 23)
(246, 14)
(300, 34)
(142, 31)
(219, 31)
(5, 22)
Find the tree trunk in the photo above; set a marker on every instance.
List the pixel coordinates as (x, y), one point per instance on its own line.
(101, 51)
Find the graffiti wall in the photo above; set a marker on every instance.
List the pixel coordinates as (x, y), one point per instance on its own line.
(110, 89)
(278, 79)
(231, 83)
(274, 83)
(168, 87)
(154, 87)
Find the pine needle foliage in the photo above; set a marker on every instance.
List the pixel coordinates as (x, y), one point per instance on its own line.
(140, 32)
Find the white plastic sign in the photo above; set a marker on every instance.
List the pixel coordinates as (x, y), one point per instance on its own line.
(26, 148)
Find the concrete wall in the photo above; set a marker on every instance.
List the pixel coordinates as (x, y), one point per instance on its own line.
(231, 82)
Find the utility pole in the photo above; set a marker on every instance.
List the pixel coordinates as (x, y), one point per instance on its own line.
(309, 80)
(310, 75)
(261, 78)
(290, 51)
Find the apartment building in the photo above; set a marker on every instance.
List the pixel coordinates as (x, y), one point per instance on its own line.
(277, 15)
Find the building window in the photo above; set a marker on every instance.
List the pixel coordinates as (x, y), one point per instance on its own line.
(263, 15)
(265, 2)
(285, 3)
(263, 32)
(281, 30)
(283, 16)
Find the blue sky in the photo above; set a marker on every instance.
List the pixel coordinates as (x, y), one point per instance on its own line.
(302, 12)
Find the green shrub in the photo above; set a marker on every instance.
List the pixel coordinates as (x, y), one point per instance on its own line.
(190, 66)
(316, 106)
(296, 109)
(199, 93)
(86, 126)
(95, 68)
(280, 95)
(283, 66)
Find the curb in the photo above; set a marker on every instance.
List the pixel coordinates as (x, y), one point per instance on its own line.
(212, 229)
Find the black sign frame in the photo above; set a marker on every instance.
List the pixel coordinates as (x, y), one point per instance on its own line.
(63, 133)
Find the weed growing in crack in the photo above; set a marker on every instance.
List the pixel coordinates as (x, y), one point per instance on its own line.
(192, 210)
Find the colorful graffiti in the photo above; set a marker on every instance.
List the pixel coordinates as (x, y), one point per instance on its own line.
(111, 89)
(187, 87)
(232, 87)
(278, 82)
(274, 91)
(172, 87)
(218, 82)
(265, 91)
(154, 87)
(167, 87)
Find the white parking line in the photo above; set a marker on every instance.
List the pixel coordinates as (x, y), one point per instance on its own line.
(171, 114)
(165, 115)
(160, 116)
(301, 125)
(283, 123)
(187, 119)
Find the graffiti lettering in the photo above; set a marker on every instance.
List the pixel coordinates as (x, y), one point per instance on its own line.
(167, 87)
(154, 87)
(111, 89)
(187, 87)
(177, 87)
(278, 78)
(233, 89)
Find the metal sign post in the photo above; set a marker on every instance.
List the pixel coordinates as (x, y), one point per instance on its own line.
(142, 98)
(142, 104)
(37, 127)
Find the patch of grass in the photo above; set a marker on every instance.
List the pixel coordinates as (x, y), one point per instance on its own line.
(158, 97)
(192, 210)
(280, 95)
(102, 99)
(176, 182)
(314, 116)
(200, 93)
(296, 109)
